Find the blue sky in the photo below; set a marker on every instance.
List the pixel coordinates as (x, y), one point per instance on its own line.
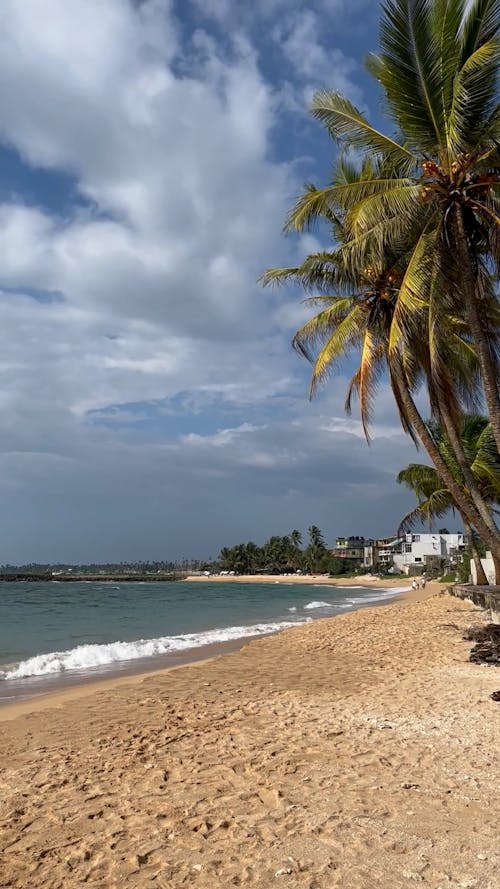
(151, 406)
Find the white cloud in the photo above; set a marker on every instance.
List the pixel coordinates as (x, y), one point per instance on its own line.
(147, 293)
(303, 42)
(179, 165)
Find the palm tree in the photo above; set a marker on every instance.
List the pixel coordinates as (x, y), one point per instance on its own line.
(316, 537)
(296, 552)
(435, 187)
(434, 499)
(316, 552)
(253, 556)
(361, 317)
(438, 178)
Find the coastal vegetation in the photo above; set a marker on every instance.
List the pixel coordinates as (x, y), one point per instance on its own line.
(280, 555)
(136, 570)
(410, 282)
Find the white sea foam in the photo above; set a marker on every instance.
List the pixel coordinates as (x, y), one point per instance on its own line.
(311, 605)
(378, 595)
(85, 657)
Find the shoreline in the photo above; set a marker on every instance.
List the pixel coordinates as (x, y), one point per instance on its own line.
(363, 580)
(87, 685)
(358, 750)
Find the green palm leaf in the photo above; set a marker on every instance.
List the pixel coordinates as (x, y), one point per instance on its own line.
(338, 341)
(347, 124)
(407, 71)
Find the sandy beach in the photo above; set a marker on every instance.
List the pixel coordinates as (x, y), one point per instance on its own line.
(358, 752)
(365, 580)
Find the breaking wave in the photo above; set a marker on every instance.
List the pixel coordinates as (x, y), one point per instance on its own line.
(90, 656)
(311, 605)
(85, 657)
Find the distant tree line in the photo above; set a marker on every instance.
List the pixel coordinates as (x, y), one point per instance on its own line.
(281, 555)
(136, 567)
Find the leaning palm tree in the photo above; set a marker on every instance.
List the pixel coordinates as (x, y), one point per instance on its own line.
(434, 499)
(437, 179)
(359, 317)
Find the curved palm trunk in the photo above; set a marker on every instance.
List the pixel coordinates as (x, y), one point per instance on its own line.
(481, 578)
(470, 482)
(463, 502)
(487, 363)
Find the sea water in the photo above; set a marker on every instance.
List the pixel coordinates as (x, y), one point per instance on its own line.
(61, 631)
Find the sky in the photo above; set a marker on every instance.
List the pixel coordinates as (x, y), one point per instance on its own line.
(151, 405)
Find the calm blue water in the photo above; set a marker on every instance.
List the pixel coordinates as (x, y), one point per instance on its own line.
(57, 630)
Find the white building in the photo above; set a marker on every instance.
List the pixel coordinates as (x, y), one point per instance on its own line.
(414, 551)
(489, 569)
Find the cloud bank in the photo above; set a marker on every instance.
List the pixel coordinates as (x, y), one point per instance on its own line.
(151, 406)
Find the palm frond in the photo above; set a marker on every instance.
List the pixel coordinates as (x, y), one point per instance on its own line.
(319, 328)
(408, 71)
(481, 23)
(473, 99)
(421, 478)
(348, 126)
(318, 271)
(445, 22)
(315, 204)
(347, 333)
(371, 362)
(436, 506)
(279, 277)
(399, 201)
(413, 295)
(352, 391)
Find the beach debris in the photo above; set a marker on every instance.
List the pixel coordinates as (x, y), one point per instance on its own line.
(487, 648)
(291, 868)
(406, 785)
(495, 696)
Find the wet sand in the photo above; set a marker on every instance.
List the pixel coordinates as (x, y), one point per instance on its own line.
(358, 752)
(50, 684)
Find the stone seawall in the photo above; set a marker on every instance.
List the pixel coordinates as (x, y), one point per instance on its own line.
(487, 597)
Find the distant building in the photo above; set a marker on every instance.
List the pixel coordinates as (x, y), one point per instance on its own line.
(408, 553)
(383, 552)
(413, 552)
(351, 549)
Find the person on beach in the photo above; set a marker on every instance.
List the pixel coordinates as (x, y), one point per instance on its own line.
(414, 585)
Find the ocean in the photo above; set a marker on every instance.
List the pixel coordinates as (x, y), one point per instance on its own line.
(57, 634)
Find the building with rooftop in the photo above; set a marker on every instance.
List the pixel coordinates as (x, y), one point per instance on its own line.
(411, 553)
(408, 553)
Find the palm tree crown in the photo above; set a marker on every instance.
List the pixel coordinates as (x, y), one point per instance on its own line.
(434, 499)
